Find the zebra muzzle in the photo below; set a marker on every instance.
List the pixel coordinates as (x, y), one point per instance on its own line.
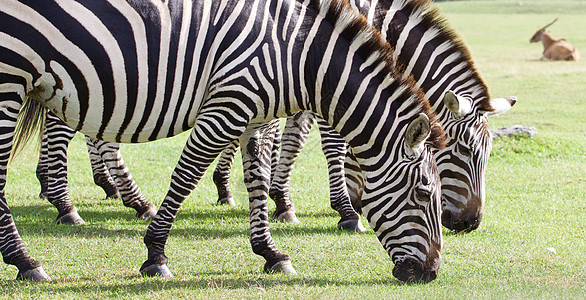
(411, 270)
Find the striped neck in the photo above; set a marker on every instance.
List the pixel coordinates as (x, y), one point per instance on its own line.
(343, 89)
(439, 50)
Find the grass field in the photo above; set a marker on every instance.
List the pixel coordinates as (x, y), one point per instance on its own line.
(530, 245)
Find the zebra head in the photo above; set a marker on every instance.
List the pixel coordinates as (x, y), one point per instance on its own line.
(405, 214)
(462, 163)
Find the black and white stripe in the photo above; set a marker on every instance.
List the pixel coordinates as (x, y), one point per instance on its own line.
(142, 70)
(109, 171)
(438, 60)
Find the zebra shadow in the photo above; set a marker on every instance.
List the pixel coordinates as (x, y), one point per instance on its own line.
(107, 221)
(216, 281)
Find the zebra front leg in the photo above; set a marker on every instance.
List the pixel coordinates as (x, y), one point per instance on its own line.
(256, 157)
(221, 175)
(100, 173)
(11, 245)
(58, 136)
(292, 141)
(200, 151)
(334, 148)
(109, 154)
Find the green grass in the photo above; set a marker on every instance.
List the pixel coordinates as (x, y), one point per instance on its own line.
(531, 243)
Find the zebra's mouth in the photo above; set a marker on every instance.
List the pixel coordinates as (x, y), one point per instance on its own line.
(411, 270)
(460, 223)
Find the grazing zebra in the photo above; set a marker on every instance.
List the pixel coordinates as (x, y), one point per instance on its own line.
(426, 48)
(136, 71)
(106, 162)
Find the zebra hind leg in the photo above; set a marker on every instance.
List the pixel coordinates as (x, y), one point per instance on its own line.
(285, 208)
(256, 156)
(221, 175)
(100, 173)
(334, 148)
(130, 193)
(58, 136)
(291, 141)
(12, 246)
(43, 167)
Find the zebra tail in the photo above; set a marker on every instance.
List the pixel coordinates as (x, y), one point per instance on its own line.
(30, 122)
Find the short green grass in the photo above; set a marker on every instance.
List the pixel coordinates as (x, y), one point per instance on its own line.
(531, 244)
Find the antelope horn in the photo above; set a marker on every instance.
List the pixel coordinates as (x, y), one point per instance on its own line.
(550, 23)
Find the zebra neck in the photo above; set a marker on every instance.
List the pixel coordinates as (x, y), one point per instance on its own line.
(356, 90)
(438, 53)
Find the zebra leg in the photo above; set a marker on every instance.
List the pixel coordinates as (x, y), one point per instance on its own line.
(256, 157)
(221, 175)
(11, 244)
(275, 152)
(101, 176)
(200, 151)
(292, 141)
(43, 166)
(59, 135)
(130, 193)
(354, 180)
(334, 148)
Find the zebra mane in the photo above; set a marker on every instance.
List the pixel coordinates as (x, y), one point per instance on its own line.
(430, 16)
(369, 44)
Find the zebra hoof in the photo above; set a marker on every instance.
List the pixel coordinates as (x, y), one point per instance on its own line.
(148, 215)
(36, 275)
(114, 196)
(43, 196)
(152, 270)
(352, 225)
(288, 217)
(228, 201)
(71, 218)
(283, 266)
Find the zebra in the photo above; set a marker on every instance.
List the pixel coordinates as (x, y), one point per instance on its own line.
(427, 49)
(224, 70)
(106, 162)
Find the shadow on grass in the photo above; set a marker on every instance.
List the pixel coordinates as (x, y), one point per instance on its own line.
(207, 281)
(39, 220)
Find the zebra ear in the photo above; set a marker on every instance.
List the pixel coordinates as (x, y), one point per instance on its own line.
(500, 105)
(417, 132)
(459, 105)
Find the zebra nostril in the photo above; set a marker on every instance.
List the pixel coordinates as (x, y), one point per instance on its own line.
(466, 225)
(459, 222)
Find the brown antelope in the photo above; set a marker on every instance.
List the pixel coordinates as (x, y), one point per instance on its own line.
(555, 49)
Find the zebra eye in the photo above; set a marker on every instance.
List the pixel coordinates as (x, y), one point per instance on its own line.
(464, 150)
(423, 194)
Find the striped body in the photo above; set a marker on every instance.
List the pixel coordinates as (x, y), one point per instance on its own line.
(142, 70)
(436, 58)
